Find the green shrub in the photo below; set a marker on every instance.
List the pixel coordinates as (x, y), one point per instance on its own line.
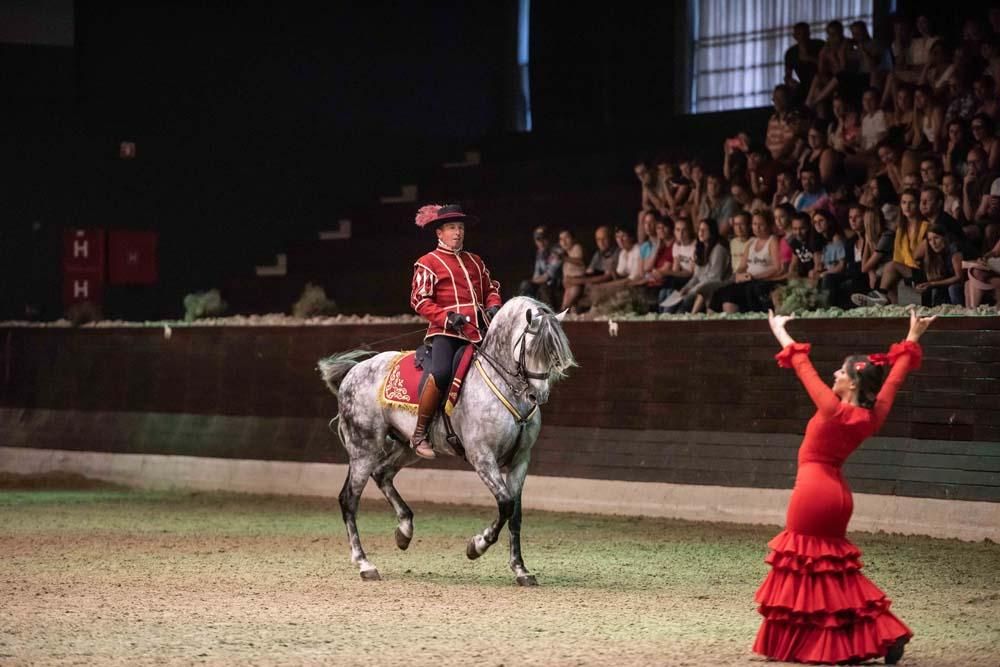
(799, 296)
(628, 301)
(314, 303)
(204, 304)
(84, 312)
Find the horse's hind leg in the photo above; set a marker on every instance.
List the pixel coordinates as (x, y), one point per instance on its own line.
(404, 531)
(350, 497)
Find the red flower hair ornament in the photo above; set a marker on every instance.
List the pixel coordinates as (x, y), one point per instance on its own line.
(879, 359)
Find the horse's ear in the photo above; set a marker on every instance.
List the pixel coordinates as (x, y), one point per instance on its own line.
(561, 315)
(527, 315)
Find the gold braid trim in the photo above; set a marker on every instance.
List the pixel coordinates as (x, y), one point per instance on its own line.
(392, 393)
(503, 399)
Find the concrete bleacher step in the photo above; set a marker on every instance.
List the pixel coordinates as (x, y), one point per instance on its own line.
(364, 260)
(472, 159)
(407, 194)
(341, 233)
(279, 268)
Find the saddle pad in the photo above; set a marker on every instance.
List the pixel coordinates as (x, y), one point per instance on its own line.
(400, 388)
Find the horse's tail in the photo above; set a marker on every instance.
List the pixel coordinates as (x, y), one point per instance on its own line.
(335, 367)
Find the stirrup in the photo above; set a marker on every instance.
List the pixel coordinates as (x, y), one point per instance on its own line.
(424, 450)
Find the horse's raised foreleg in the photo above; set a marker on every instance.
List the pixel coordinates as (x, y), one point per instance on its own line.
(350, 498)
(404, 530)
(515, 483)
(489, 472)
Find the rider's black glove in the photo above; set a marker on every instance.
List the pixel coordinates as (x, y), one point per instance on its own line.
(492, 311)
(455, 322)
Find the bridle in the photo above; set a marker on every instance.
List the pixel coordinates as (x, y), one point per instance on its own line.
(518, 379)
(532, 327)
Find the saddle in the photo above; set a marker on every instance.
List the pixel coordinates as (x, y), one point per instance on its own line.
(401, 387)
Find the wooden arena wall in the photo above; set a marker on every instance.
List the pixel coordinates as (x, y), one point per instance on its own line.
(699, 403)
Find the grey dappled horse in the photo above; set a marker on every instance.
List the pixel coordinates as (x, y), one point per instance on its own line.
(524, 352)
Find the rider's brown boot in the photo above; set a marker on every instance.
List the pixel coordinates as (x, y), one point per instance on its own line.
(430, 399)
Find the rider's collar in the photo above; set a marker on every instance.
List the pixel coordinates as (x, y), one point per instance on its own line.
(442, 246)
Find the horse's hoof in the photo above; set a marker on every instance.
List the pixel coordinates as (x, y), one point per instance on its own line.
(471, 551)
(370, 575)
(402, 541)
(526, 580)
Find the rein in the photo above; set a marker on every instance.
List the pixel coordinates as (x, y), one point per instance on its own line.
(386, 340)
(521, 374)
(511, 408)
(516, 380)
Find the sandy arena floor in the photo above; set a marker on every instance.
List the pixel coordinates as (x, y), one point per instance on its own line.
(106, 576)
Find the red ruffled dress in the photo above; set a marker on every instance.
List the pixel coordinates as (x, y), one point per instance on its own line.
(816, 604)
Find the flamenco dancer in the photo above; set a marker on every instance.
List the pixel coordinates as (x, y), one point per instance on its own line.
(816, 604)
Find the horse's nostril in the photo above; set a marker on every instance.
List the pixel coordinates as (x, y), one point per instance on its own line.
(532, 398)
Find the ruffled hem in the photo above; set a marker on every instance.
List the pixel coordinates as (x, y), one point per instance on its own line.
(907, 347)
(818, 607)
(784, 358)
(810, 548)
(812, 553)
(827, 599)
(865, 640)
(810, 564)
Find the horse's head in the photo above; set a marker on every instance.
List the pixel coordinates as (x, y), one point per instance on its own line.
(529, 334)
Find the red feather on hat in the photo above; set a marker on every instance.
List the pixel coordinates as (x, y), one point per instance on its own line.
(426, 214)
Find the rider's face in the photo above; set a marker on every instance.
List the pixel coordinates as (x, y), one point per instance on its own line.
(452, 234)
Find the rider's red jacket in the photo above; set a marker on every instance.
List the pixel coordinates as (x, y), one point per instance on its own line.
(445, 282)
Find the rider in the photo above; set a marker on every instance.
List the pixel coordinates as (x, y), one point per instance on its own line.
(453, 290)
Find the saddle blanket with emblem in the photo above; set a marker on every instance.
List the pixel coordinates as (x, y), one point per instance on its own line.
(400, 388)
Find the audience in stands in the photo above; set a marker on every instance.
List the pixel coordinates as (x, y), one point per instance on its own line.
(802, 61)
(546, 278)
(879, 166)
(800, 240)
(646, 235)
(983, 277)
(711, 268)
(602, 265)
(830, 255)
(812, 195)
(853, 279)
(757, 273)
(941, 261)
(879, 242)
(682, 267)
(906, 253)
(628, 269)
(574, 268)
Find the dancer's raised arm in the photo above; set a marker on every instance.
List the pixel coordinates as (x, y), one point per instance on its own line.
(904, 357)
(777, 323)
(796, 355)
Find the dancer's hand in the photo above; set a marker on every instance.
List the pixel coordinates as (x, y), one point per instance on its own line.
(777, 323)
(918, 325)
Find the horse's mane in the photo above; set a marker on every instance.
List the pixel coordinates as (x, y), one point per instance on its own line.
(549, 346)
